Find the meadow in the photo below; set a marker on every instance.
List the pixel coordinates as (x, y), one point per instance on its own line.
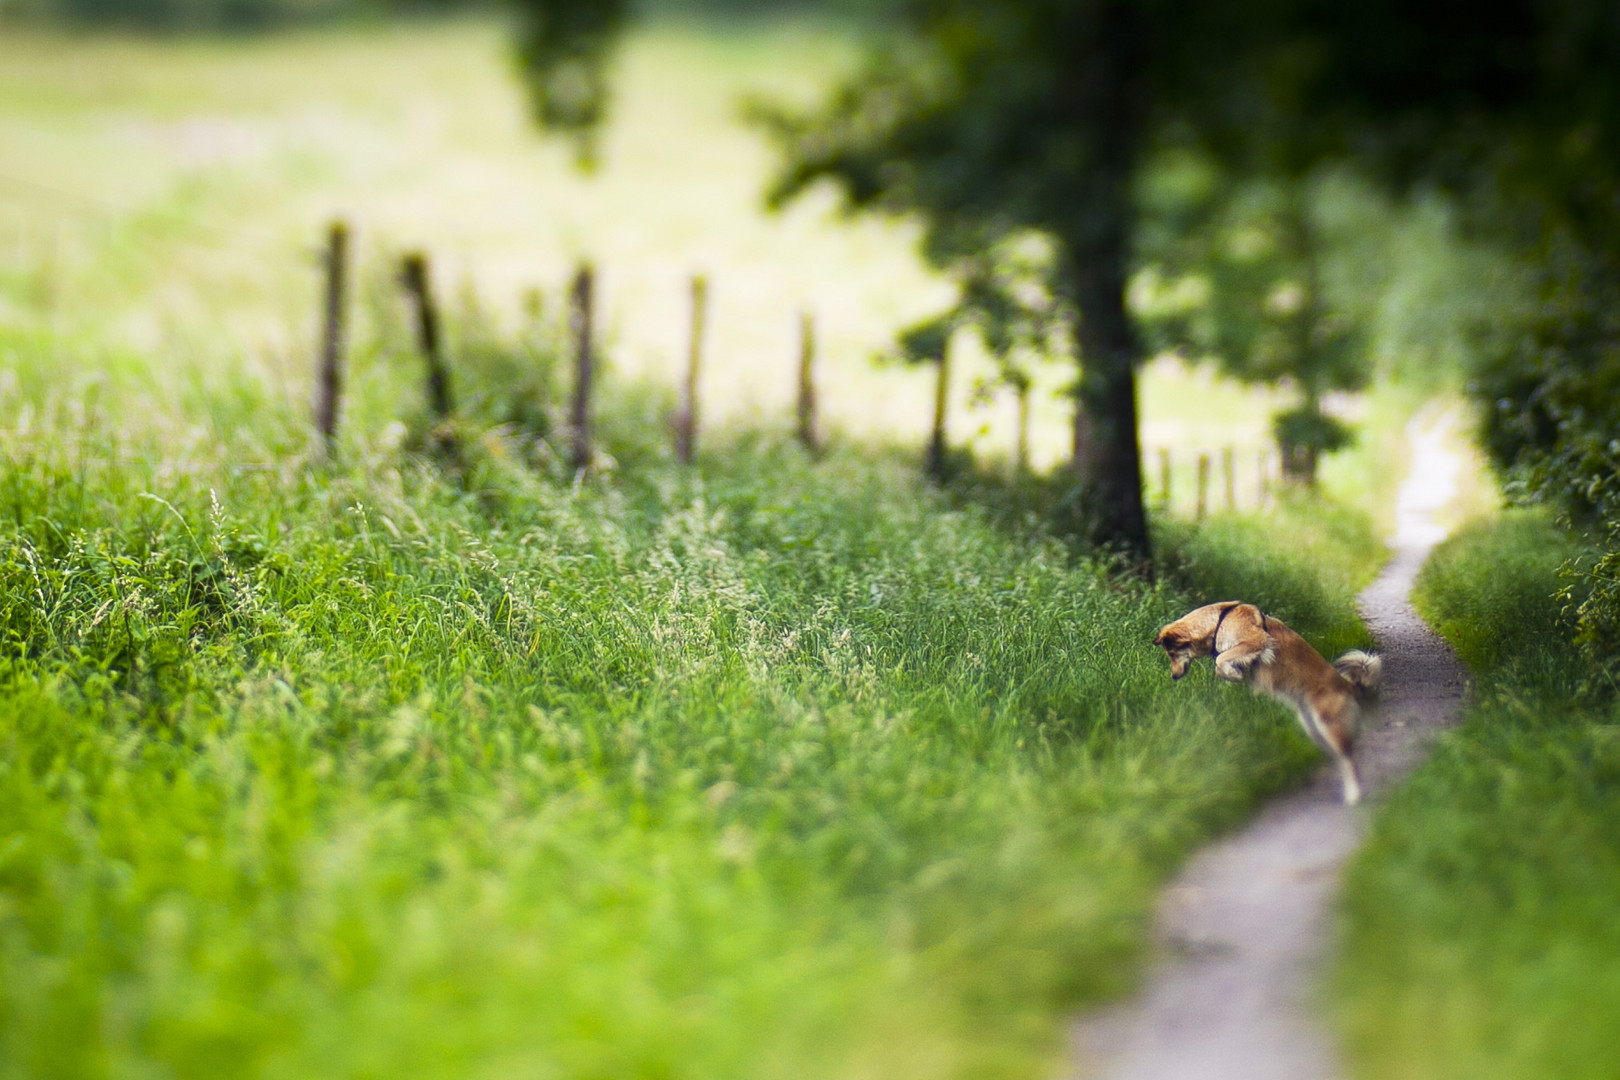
(382, 764)
(1479, 937)
(770, 768)
(169, 196)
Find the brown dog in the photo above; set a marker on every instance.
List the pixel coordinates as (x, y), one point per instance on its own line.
(1250, 646)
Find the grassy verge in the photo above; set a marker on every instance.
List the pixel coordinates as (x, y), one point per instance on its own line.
(1307, 556)
(1304, 563)
(1480, 937)
(774, 768)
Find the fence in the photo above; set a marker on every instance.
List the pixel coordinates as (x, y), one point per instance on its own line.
(415, 278)
(1189, 483)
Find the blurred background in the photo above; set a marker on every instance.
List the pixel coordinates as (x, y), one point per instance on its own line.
(171, 169)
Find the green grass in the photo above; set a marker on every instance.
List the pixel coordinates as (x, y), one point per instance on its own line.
(774, 768)
(1307, 555)
(1303, 563)
(1480, 936)
(771, 768)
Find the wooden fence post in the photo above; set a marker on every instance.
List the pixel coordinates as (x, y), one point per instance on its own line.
(1264, 478)
(1203, 486)
(1164, 477)
(414, 276)
(809, 422)
(942, 389)
(1021, 460)
(579, 321)
(329, 373)
(1229, 478)
(686, 420)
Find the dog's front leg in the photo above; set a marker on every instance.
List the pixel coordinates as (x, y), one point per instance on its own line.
(1234, 664)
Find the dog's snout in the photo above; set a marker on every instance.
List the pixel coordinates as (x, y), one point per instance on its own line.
(1175, 676)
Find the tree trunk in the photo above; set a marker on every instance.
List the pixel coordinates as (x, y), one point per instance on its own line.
(1108, 103)
(1107, 455)
(1299, 465)
(1299, 459)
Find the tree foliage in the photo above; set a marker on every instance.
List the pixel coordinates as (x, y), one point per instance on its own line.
(564, 48)
(989, 118)
(178, 16)
(1547, 141)
(989, 121)
(1235, 271)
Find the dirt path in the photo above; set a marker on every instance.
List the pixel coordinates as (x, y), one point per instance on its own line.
(1243, 929)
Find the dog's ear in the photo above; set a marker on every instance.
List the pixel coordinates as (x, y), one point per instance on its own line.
(1164, 638)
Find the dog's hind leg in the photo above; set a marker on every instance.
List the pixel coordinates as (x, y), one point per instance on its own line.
(1333, 735)
(1349, 781)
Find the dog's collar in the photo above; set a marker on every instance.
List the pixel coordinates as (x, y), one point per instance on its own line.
(1214, 650)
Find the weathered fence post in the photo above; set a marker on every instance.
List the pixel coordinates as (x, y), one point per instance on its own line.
(1229, 478)
(1203, 486)
(686, 420)
(809, 422)
(942, 388)
(329, 373)
(1164, 477)
(1021, 460)
(579, 322)
(414, 276)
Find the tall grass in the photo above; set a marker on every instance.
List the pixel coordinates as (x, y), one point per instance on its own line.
(394, 766)
(1303, 563)
(1480, 936)
(769, 768)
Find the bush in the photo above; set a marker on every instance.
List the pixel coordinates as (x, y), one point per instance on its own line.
(1551, 407)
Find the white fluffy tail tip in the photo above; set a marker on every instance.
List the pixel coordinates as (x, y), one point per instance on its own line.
(1361, 670)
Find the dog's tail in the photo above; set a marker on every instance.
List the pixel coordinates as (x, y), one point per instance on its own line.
(1362, 671)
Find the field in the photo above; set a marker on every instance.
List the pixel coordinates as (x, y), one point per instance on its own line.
(1479, 938)
(363, 771)
(169, 197)
(387, 765)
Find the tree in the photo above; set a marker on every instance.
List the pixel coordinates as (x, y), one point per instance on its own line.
(1235, 272)
(988, 118)
(1516, 105)
(985, 120)
(563, 50)
(1007, 298)
(991, 120)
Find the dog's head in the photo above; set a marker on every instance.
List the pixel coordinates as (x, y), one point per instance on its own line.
(1190, 637)
(1178, 648)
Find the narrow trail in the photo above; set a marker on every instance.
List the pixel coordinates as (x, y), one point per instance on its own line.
(1243, 930)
